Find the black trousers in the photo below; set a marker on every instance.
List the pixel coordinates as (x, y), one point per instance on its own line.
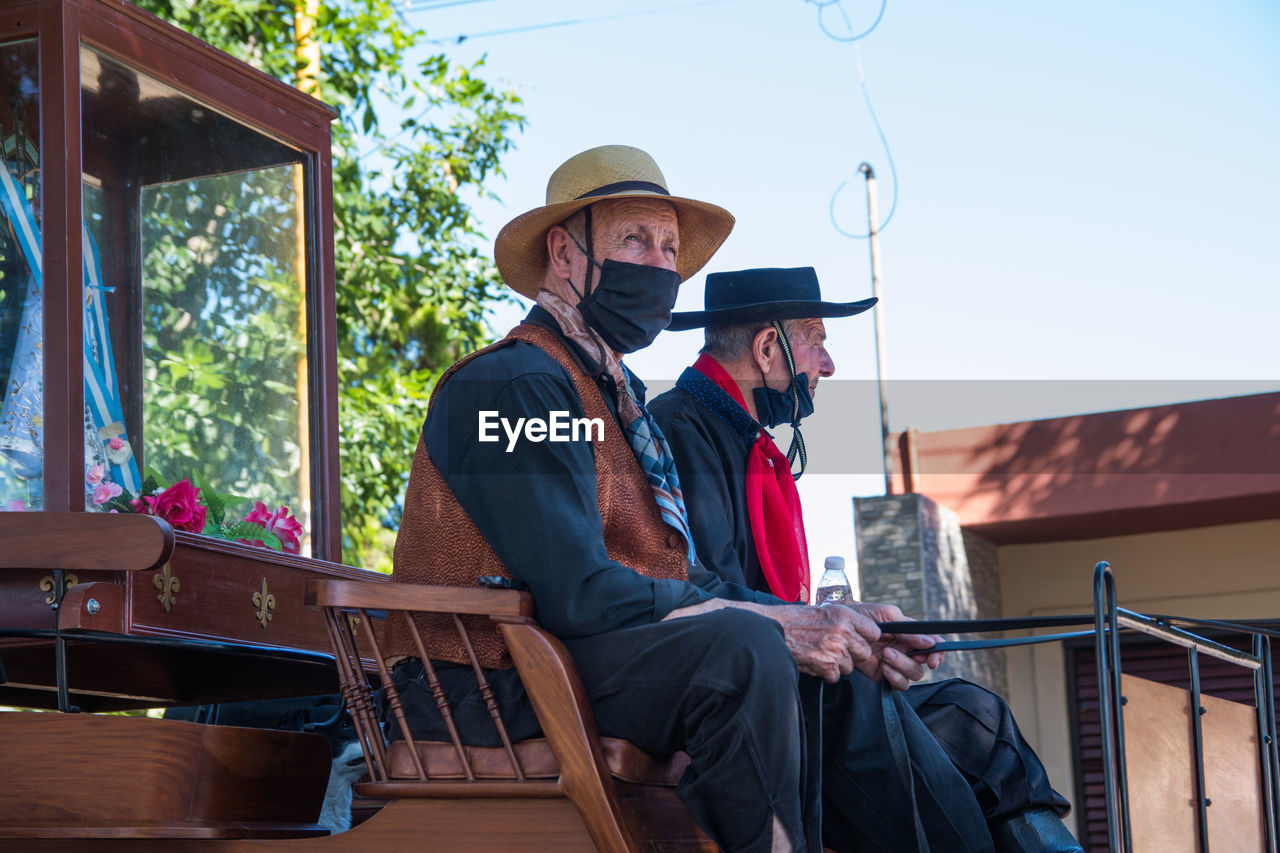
(970, 767)
(761, 737)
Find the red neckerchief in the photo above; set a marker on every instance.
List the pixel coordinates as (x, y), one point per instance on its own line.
(773, 504)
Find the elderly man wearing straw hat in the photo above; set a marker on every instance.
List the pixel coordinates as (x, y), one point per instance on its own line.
(594, 524)
(764, 353)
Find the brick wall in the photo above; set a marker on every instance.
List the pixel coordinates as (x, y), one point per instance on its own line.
(912, 552)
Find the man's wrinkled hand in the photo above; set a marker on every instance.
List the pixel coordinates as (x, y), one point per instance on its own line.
(895, 656)
(828, 641)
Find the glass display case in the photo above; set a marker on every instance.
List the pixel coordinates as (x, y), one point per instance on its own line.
(166, 282)
(167, 346)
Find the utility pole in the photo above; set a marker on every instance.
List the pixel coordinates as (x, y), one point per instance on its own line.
(873, 239)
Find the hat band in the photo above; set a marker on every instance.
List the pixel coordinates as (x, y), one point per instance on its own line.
(624, 186)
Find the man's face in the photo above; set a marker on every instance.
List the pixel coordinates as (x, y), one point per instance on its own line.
(808, 348)
(633, 230)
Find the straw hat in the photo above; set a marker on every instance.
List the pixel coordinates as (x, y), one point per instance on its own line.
(610, 171)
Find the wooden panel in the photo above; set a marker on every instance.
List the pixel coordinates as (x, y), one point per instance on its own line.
(211, 588)
(1232, 776)
(1157, 748)
(19, 18)
(23, 594)
(110, 776)
(60, 226)
(215, 596)
(1161, 768)
(440, 826)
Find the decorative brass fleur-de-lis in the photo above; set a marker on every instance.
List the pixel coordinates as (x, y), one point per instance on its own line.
(46, 585)
(265, 602)
(168, 586)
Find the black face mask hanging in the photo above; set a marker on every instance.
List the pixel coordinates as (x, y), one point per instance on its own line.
(774, 408)
(630, 304)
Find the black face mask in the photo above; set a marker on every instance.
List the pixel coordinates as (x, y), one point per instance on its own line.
(630, 303)
(775, 408)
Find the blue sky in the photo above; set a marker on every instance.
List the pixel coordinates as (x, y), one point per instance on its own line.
(1086, 191)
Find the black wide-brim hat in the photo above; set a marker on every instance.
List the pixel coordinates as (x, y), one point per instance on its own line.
(762, 295)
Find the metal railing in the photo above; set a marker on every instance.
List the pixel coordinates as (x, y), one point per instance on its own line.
(1109, 620)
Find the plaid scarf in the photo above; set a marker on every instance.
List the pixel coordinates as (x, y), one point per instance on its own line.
(647, 441)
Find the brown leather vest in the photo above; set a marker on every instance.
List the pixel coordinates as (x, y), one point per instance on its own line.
(439, 544)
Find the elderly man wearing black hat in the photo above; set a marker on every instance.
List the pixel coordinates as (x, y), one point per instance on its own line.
(764, 353)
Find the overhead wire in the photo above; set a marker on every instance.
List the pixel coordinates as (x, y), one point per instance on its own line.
(822, 6)
(410, 6)
(826, 4)
(417, 6)
(462, 37)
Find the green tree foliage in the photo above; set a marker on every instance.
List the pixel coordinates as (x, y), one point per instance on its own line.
(219, 331)
(412, 287)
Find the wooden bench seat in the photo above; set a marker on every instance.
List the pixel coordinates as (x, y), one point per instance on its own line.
(537, 761)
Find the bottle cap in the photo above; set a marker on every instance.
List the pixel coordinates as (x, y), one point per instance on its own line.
(833, 563)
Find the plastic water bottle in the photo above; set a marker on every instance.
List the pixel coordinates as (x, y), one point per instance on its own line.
(834, 584)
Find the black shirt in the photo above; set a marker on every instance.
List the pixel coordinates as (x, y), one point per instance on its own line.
(535, 501)
(711, 437)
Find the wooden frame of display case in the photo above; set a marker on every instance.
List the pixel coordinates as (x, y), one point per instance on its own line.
(240, 92)
(232, 597)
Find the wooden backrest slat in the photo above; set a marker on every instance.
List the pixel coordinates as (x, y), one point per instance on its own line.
(373, 726)
(349, 687)
(334, 596)
(389, 689)
(356, 691)
(442, 701)
(490, 703)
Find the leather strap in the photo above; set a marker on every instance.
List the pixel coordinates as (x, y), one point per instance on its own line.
(902, 759)
(1000, 642)
(964, 626)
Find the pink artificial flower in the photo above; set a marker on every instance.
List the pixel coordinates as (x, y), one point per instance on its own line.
(94, 473)
(115, 443)
(281, 523)
(105, 491)
(15, 505)
(179, 505)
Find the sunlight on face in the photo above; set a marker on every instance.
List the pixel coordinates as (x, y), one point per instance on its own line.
(636, 231)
